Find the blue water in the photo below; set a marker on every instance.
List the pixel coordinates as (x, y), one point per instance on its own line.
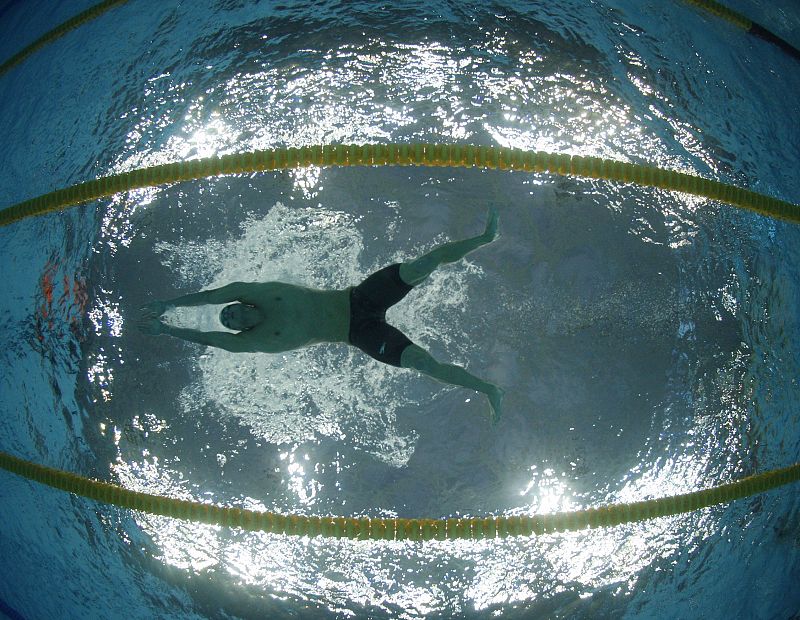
(648, 341)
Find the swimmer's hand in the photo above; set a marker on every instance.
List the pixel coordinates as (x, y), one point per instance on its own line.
(153, 310)
(490, 234)
(151, 326)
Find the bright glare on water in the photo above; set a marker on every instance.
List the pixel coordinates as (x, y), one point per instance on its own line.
(647, 340)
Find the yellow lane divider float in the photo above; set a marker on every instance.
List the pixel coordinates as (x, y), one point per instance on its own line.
(487, 157)
(737, 19)
(362, 528)
(58, 32)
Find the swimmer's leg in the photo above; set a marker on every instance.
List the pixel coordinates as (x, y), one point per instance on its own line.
(419, 359)
(415, 271)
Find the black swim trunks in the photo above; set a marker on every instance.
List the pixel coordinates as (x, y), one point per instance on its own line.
(369, 301)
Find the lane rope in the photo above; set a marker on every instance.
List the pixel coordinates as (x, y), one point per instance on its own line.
(363, 528)
(718, 10)
(436, 155)
(739, 20)
(59, 31)
(710, 6)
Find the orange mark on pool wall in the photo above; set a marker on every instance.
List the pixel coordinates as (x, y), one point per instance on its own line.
(68, 309)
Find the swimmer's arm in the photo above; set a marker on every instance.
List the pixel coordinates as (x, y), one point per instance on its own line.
(234, 291)
(222, 340)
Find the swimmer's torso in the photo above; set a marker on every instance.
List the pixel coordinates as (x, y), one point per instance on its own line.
(296, 316)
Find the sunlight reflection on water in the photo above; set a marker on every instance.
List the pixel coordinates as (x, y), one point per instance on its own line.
(373, 92)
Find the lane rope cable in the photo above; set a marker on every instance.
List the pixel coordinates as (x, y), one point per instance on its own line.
(436, 155)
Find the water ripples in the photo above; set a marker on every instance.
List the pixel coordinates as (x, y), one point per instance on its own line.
(646, 338)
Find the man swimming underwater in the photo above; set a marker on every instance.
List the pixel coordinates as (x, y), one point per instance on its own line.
(272, 317)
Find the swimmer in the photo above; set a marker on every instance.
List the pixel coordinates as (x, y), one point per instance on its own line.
(272, 317)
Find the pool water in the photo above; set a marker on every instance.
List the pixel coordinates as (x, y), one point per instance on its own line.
(647, 341)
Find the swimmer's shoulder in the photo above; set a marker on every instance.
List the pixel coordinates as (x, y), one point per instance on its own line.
(271, 292)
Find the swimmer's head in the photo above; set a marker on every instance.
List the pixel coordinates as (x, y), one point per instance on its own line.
(240, 317)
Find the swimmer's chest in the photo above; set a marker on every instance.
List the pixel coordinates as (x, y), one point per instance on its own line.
(294, 318)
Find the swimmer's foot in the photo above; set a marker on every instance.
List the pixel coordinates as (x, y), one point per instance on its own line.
(495, 396)
(490, 233)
